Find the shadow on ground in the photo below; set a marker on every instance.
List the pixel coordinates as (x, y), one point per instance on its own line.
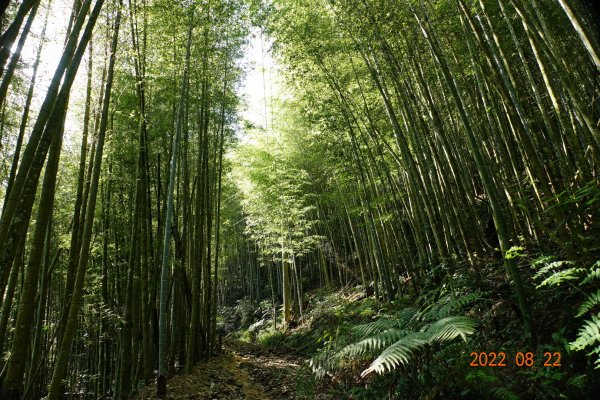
(243, 371)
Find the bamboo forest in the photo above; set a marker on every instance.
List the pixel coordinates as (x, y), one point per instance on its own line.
(299, 199)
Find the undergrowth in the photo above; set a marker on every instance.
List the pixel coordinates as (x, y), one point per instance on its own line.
(360, 348)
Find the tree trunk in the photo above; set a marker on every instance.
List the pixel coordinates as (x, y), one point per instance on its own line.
(60, 368)
(165, 270)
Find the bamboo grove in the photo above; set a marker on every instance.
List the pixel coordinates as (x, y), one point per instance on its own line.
(457, 135)
(419, 143)
(82, 230)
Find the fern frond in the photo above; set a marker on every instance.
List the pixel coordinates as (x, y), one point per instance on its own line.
(542, 260)
(592, 301)
(594, 274)
(397, 321)
(323, 363)
(543, 271)
(569, 274)
(376, 342)
(578, 381)
(407, 315)
(480, 376)
(450, 328)
(379, 325)
(502, 393)
(458, 303)
(427, 313)
(551, 267)
(588, 335)
(398, 353)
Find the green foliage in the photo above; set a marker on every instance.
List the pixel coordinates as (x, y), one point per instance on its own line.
(589, 331)
(398, 320)
(480, 376)
(555, 275)
(593, 275)
(501, 393)
(589, 336)
(274, 191)
(514, 252)
(401, 352)
(578, 381)
(401, 335)
(246, 336)
(306, 383)
(270, 337)
(592, 301)
(450, 303)
(450, 328)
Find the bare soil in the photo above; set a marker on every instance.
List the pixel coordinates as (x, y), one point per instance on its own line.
(243, 371)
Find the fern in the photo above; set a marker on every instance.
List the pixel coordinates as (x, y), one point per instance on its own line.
(588, 335)
(592, 301)
(569, 274)
(377, 326)
(450, 328)
(594, 274)
(502, 393)
(398, 353)
(549, 267)
(395, 321)
(408, 315)
(578, 382)
(444, 330)
(399, 336)
(376, 342)
(479, 376)
(560, 276)
(323, 362)
(457, 304)
(542, 260)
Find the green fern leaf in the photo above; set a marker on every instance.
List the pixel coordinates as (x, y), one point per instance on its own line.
(407, 315)
(480, 376)
(323, 363)
(553, 267)
(398, 353)
(592, 301)
(504, 394)
(594, 274)
(589, 334)
(457, 304)
(376, 342)
(578, 382)
(569, 274)
(450, 328)
(380, 325)
(542, 260)
(396, 321)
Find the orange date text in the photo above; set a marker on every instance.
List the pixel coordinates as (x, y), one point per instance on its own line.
(519, 359)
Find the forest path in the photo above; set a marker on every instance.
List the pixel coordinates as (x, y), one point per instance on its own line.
(243, 371)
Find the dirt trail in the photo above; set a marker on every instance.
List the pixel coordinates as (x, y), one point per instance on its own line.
(243, 371)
